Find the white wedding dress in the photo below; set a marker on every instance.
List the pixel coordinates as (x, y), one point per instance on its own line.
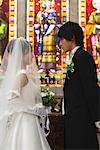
(23, 130)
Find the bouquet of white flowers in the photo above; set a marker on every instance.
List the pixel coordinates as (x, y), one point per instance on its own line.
(48, 97)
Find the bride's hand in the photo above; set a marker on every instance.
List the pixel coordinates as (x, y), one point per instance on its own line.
(97, 124)
(12, 95)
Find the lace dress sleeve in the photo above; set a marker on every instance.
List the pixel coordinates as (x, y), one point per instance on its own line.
(20, 82)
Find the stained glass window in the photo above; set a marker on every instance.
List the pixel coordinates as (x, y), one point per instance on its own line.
(44, 18)
(89, 17)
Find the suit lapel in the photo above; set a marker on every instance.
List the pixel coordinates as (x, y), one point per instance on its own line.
(75, 57)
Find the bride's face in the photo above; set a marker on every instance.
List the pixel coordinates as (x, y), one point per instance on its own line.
(27, 59)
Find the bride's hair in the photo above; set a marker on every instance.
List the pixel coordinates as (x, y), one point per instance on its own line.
(13, 60)
(10, 46)
(25, 45)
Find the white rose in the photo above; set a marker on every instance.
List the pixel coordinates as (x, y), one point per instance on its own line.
(52, 93)
(43, 94)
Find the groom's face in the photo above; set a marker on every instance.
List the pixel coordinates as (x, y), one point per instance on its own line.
(65, 45)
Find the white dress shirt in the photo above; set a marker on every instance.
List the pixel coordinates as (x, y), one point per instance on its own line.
(72, 52)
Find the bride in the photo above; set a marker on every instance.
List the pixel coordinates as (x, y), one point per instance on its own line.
(22, 116)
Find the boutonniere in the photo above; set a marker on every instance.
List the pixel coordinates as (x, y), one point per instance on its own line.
(70, 67)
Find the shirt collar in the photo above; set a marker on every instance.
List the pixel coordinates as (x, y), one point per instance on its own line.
(73, 52)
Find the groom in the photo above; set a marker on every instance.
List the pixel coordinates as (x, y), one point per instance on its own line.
(80, 91)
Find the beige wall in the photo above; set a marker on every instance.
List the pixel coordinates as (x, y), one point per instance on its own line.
(21, 18)
(73, 11)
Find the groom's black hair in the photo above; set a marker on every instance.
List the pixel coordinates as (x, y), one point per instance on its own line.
(72, 31)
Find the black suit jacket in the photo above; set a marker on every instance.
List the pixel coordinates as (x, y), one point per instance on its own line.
(81, 103)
